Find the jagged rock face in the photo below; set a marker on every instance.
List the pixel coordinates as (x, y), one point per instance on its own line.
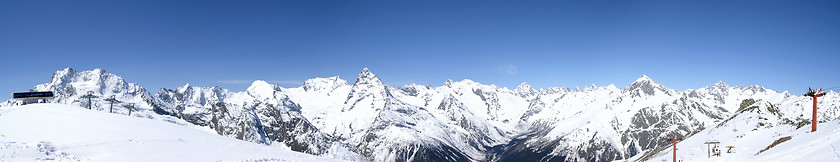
(414, 122)
(288, 126)
(644, 86)
(679, 118)
(261, 114)
(651, 129)
(190, 103)
(535, 106)
(525, 90)
(554, 90)
(404, 132)
(605, 124)
(366, 99)
(367, 78)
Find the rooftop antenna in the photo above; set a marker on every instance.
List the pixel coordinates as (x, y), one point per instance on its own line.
(814, 93)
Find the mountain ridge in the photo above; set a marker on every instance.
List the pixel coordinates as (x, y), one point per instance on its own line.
(477, 122)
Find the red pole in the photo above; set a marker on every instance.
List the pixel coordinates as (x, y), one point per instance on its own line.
(814, 117)
(675, 148)
(675, 151)
(814, 93)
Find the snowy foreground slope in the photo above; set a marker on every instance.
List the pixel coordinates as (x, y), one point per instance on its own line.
(770, 130)
(71, 133)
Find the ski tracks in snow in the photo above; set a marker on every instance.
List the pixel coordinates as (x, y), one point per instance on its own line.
(41, 151)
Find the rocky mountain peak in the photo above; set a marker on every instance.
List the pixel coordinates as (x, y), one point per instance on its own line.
(643, 78)
(100, 71)
(448, 83)
(720, 87)
(318, 84)
(64, 72)
(645, 85)
(721, 84)
(524, 86)
(525, 90)
(366, 77)
(184, 88)
(367, 86)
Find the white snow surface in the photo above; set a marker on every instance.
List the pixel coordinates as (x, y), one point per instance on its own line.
(71, 133)
(752, 130)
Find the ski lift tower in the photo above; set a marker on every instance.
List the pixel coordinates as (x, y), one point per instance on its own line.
(814, 93)
(675, 147)
(709, 144)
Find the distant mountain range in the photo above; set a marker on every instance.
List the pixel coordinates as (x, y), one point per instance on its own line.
(457, 121)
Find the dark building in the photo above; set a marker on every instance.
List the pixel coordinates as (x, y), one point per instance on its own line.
(24, 98)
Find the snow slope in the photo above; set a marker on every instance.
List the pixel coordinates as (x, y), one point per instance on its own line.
(758, 124)
(71, 133)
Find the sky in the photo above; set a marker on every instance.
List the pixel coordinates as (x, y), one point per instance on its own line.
(781, 45)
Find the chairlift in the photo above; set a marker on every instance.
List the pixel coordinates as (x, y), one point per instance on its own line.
(731, 149)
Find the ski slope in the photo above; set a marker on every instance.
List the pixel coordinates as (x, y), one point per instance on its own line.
(754, 130)
(71, 133)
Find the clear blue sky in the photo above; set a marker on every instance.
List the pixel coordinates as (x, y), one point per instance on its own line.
(782, 45)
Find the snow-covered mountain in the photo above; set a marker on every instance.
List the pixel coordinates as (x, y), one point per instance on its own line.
(412, 122)
(777, 128)
(457, 121)
(607, 123)
(70, 85)
(261, 114)
(60, 132)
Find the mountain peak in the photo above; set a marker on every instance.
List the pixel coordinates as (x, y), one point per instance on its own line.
(58, 75)
(366, 77)
(99, 70)
(643, 78)
(525, 90)
(645, 85)
(68, 69)
(524, 85)
(261, 89)
(318, 84)
(257, 84)
(183, 88)
(721, 84)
